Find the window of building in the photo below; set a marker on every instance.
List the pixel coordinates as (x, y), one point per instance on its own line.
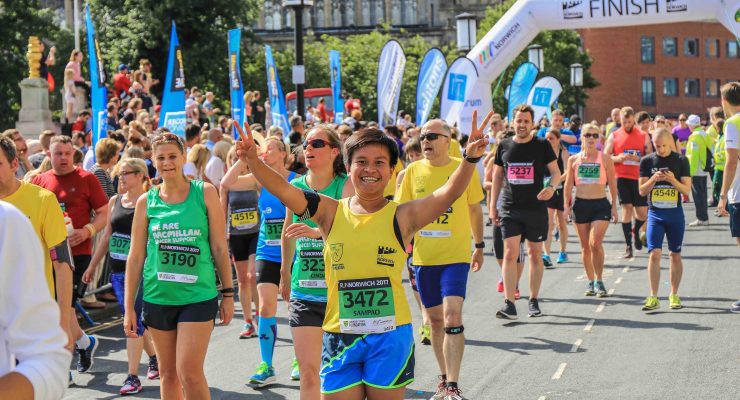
(691, 47)
(691, 88)
(670, 87)
(648, 91)
(647, 53)
(711, 48)
(670, 46)
(732, 49)
(712, 87)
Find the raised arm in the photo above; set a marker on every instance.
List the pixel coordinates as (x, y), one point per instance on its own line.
(233, 180)
(416, 214)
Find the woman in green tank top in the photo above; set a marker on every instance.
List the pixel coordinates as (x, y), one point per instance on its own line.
(302, 282)
(179, 231)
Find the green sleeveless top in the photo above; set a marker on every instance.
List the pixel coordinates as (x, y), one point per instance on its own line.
(179, 268)
(307, 278)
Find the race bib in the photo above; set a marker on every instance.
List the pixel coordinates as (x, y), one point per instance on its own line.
(664, 197)
(439, 227)
(366, 306)
(309, 267)
(634, 153)
(589, 173)
(520, 173)
(119, 246)
(177, 261)
(273, 231)
(244, 219)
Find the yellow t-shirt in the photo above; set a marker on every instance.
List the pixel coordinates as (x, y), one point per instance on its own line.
(446, 240)
(454, 150)
(364, 264)
(43, 210)
(390, 188)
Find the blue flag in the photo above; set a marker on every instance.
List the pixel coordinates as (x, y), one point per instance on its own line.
(275, 91)
(98, 92)
(431, 75)
(521, 84)
(172, 115)
(335, 71)
(238, 113)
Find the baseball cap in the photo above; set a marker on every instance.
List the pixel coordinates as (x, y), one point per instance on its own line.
(121, 67)
(693, 120)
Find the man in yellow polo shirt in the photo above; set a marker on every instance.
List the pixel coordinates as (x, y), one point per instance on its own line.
(43, 210)
(441, 255)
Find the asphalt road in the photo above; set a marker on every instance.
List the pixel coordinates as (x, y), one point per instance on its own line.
(582, 348)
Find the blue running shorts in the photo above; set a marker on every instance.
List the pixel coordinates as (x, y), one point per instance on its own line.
(435, 282)
(668, 223)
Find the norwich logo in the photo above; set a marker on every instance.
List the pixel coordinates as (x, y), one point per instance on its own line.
(337, 250)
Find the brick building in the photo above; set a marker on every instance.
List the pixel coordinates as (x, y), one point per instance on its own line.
(663, 69)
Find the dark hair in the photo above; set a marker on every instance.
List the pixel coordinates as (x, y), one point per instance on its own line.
(464, 140)
(334, 143)
(191, 132)
(295, 121)
(731, 93)
(366, 137)
(412, 145)
(118, 137)
(642, 116)
(524, 108)
(85, 113)
(8, 147)
(392, 130)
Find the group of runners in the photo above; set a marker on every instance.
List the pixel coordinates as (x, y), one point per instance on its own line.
(333, 242)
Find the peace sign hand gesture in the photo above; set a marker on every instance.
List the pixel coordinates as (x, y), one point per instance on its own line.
(477, 141)
(246, 148)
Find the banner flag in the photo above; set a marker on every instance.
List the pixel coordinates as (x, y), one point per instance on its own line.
(98, 91)
(431, 75)
(391, 65)
(543, 96)
(457, 88)
(172, 114)
(238, 111)
(335, 72)
(275, 91)
(521, 84)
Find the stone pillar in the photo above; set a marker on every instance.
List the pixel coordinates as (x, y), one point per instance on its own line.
(35, 116)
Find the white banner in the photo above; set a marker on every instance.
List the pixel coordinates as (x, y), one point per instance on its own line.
(457, 89)
(391, 64)
(480, 100)
(543, 95)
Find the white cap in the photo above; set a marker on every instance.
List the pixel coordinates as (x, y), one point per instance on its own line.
(693, 120)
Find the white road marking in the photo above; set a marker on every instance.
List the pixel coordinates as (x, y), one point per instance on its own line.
(601, 306)
(560, 371)
(611, 291)
(626, 269)
(618, 281)
(542, 398)
(589, 326)
(576, 345)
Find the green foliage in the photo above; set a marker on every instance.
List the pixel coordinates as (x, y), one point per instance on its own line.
(20, 19)
(561, 48)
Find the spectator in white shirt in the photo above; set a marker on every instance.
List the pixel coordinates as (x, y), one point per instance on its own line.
(216, 167)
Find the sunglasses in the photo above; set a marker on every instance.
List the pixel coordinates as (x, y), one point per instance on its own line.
(315, 143)
(591, 135)
(124, 173)
(430, 136)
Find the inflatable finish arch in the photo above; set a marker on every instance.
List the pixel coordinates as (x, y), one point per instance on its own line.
(526, 18)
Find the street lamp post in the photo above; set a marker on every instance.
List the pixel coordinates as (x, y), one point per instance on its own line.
(536, 56)
(466, 30)
(576, 80)
(299, 71)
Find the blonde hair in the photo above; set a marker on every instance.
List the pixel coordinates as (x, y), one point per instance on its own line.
(106, 149)
(69, 75)
(43, 167)
(660, 132)
(589, 127)
(139, 166)
(199, 155)
(283, 147)
(221, 150)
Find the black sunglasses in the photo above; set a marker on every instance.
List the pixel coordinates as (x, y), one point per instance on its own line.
(124, 173)
(430, 136)
(591, 135)
(315, 143)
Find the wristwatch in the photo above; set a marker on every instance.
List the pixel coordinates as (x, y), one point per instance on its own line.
(227, 290)
(480, 245)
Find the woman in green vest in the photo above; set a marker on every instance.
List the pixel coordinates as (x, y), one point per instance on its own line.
(719, 162)
(302, 284)
(178, 234)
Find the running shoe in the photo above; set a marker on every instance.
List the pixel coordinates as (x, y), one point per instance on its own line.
(699, 222)
(441, 389)
(638, 242)
(600, 289)
(546, 260)
(500, 285)
(131, 385)
(508, 311)
(263, 376)
(735, 308)
(590, 289)
(86, 356)
(295, 373)
(628, 252)
(534, 308)
(425, 335)
(674, 302)
(517, 294)
(643, 238)
(152, 371)
(453, 393)
(248, 331)
(562, 257)
(651, 303)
